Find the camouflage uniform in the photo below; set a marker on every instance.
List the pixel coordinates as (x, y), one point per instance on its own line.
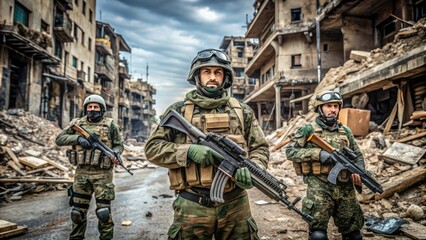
(325, 199)
(93, 177)
(168, 148)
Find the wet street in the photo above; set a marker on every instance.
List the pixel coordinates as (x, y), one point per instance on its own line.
(144, 199)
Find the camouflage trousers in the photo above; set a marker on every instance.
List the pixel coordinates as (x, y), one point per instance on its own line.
(231, 220)
(86, 182)
(325, 200)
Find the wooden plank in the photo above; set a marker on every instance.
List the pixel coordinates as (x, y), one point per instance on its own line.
(13, 165)
(32, 161)
(414, 230)
(402, 181)
(6, 226)
(418, 114)
(403, 153)
(40, 170)
(390, 119)
(36, 180)
(415, 136)
(12, 156)
(55, 164)
(18, 230)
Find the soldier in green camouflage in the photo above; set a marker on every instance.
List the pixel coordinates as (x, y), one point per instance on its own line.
(191, 166)
(94, 173)
(324, 199)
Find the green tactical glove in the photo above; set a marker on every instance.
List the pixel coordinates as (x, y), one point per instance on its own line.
(243, 178)
(205, 156)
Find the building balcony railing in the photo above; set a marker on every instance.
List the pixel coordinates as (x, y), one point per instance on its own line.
(123, 101)
(136, 103)
(123, 72)
(149, 112)
(104, 72)
(103, 46)
(67, 4)
(81, 75)
(109, 99)
(29, 42)
(63, 28)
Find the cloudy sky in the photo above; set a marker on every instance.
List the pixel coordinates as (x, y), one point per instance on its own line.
(167, 34)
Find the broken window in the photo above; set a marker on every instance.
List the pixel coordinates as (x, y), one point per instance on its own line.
(239, 72)
(83, 9)
(21, 14)
(296, 60)
(90, 44)
(325, 47)
(74, 62)
(239, 44)
(90, 15)
(240, 54)
(76, 31)
(45, 27)
(58, 49)
(419, 10)
(296, 14)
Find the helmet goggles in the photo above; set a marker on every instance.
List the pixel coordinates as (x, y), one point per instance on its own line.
(207, 54)
(330, 96)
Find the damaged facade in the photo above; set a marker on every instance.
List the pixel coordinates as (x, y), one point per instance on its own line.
(288, 65)
(240, 51)
(54, 53)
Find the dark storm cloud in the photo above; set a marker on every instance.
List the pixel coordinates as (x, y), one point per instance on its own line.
(167, 34)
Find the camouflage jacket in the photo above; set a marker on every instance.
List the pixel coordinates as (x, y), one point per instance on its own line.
(165, 147)
(114, 136)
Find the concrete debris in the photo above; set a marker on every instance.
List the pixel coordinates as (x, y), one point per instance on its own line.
(407, 39)
(30, 161)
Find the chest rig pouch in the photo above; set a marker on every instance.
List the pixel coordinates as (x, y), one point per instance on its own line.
(226, 122)
(94, 157)
(338, 140)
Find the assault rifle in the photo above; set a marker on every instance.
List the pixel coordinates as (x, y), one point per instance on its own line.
(233, 158)
(98, 144)
(343, 161)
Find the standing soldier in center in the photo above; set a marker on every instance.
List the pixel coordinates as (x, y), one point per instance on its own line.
(324, 199)
(94, 173)
(191, 166)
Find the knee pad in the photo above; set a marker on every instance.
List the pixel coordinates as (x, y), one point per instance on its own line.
(77, 216)
(354, 235)
(318, 235)
(103, 214)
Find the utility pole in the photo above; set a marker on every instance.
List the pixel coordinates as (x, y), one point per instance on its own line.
(147, 71)
(318, 33)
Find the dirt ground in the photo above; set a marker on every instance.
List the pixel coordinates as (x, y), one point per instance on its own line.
(146, 200)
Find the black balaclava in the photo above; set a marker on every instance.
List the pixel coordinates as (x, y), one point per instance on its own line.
(95, 116)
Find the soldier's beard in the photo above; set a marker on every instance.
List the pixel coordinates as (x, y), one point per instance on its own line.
(94, 116)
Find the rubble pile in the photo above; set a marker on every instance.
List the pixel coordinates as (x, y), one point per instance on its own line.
(402, 177)
(407, 39)
(30, 160)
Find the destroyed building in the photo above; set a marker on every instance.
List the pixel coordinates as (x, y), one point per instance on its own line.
(54, 53)
(299, 42)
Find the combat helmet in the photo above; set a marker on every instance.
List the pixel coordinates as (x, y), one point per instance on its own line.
(324, 97)
(94, 98)
(211, 58)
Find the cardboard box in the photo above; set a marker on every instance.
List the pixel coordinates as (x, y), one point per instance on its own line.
(358, 120)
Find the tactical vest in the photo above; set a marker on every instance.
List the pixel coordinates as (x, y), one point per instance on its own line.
(338, 140)
(230, 123)
(94, 157)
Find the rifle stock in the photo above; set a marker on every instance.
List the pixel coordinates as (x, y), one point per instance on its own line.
(233, 158)
(98, 144)
(342, 162)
